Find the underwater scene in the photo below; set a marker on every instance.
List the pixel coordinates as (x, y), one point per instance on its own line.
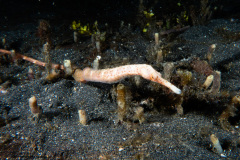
(140, 79)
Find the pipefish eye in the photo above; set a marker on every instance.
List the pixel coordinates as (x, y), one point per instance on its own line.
(153, 77)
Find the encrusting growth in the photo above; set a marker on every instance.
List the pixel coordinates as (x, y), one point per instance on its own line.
(113, 75)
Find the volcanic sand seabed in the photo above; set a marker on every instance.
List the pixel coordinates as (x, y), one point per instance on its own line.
(162, 136)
